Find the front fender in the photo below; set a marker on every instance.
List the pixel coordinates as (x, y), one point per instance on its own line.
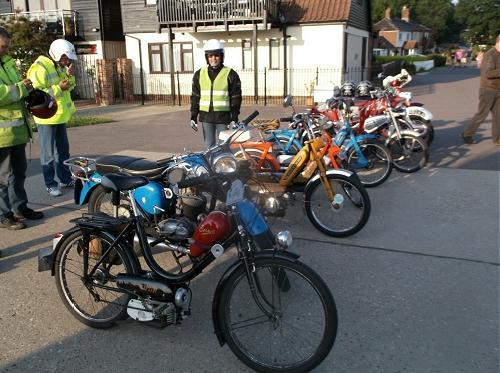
(82, 194)
(419, 111)
(341, 171)
(285, 255)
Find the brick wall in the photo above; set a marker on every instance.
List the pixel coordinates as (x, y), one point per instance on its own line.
(106, 83)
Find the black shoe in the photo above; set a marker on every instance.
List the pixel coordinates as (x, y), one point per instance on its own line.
(467, 139)
(29, 214)
(11, 223)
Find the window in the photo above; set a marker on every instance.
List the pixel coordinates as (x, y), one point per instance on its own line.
(247, 54)
(150, 2)
(159, 58)
(274, 54)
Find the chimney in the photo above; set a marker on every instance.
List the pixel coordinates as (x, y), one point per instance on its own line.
(387, 12)
(405, 13)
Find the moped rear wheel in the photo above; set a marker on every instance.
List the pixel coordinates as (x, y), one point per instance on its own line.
(346, 214)
(100, 201)
(379, 165)
(298, 330)
(93, 300)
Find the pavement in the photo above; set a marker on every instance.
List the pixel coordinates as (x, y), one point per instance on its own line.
(417, 290)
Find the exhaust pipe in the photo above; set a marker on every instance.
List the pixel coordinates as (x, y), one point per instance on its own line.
(165, 246)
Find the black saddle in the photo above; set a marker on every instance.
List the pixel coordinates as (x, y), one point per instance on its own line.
(119, 182)
(130, 165)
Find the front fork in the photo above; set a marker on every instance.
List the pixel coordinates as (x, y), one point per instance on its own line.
(330, 192)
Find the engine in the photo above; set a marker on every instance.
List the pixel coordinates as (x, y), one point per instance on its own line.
(177, 229)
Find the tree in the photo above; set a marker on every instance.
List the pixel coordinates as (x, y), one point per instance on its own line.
(480, 20)
(438, 15)
(29, 40)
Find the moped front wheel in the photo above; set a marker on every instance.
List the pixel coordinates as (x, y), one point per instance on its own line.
(292, 330)
(379, 165)
(346, 214)
(409, 153)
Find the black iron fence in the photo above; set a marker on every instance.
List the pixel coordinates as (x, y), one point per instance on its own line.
(268, 88)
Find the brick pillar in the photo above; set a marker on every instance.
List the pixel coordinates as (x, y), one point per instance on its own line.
(124, 68)
(106, 85)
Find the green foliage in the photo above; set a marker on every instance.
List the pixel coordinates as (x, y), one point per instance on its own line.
(439, 60)
(77, 121)
(480, 20)
(438, 15)
(29, 40)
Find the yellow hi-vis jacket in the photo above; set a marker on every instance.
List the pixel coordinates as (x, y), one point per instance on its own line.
(13, 127)
(46, 75)
(216, 93)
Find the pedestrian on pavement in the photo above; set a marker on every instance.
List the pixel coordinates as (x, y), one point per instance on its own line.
(14, 134)
(489, 96)
(216, 94)
(54, 74)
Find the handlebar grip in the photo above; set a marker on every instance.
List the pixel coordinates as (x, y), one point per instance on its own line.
(193, 181)
(250, 117)
(286, 119)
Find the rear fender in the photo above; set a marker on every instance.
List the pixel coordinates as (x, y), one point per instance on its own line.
(50, 259)
(419, 111)
(285, 255)
(82, 194)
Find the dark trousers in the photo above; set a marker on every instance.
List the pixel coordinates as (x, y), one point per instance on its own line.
(489, 101)
(13, 167)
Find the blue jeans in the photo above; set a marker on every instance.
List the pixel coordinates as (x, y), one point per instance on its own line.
(54, 150)
(13, 167)
(211, 133)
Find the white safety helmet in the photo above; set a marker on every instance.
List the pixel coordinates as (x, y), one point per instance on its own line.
(214, 46)
(60, 47)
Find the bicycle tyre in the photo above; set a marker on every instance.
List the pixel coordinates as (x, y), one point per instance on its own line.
(409, 154)
(353, 197)
(70, 253)
(377, 155)
(100, 201)
(237, 304)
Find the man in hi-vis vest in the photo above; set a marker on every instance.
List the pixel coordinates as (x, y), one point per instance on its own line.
(14, 134)
(216, 94)
(55, 74)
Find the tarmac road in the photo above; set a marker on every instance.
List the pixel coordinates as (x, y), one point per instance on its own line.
(417, 289)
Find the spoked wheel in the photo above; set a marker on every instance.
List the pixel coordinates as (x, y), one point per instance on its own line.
(297, 328)
(93, 300)
(100, 201)
(346, 214)
(379, 166)
(409, 154)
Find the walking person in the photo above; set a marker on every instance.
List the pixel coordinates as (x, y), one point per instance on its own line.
(54, 74)
(489, 96)
(14, 134)
(216, 94)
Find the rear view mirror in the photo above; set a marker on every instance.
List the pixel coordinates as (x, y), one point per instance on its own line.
(287, 101)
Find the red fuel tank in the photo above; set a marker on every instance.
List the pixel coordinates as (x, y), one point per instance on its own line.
(215, 228)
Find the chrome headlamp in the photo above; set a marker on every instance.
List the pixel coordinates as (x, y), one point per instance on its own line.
(224, 163)
(284, 239)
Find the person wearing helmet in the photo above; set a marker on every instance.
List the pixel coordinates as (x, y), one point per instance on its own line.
(216, 94)
(14, 134)
(54, 74)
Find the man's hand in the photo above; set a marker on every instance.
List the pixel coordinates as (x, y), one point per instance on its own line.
(71, 70)
(64, 84)
(28, 84)
(194, 125)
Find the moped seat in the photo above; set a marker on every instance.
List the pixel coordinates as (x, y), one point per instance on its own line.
(129, 165)
(119, 182)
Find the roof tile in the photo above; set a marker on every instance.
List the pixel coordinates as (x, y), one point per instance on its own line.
(303, 11)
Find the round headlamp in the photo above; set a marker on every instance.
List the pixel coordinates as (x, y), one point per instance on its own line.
(224, 163)
(284, 239)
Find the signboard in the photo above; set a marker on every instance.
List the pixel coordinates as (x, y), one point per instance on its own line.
(86, 48)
